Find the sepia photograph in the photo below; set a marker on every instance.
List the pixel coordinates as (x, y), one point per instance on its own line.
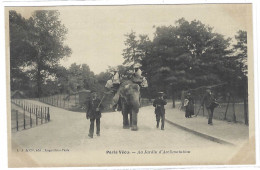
(130, 85)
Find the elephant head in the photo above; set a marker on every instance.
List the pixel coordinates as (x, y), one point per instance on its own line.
(130, 96)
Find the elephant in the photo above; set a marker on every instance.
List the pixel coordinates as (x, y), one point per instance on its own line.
(129, 94)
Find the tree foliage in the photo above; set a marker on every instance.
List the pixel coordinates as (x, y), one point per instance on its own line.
(37, 44)
(187, 55)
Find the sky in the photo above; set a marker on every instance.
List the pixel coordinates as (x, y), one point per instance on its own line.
(96, 34)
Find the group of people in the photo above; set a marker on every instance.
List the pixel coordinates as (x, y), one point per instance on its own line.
(114, 82)
(94, 106)
(116, 79)
(208, 100)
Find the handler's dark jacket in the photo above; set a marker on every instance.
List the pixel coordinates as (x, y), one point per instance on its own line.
(91, 109)
(159, 105)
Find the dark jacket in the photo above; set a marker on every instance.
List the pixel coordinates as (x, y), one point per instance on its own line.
(92, 105)
(159, 105)
(208, 100)
(190, 106)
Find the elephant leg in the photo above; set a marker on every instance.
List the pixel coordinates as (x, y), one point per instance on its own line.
(125, 121)
(131, 119)
(125, 116)
(134, 121)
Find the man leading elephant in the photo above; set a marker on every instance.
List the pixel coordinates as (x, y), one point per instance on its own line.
(94, 107)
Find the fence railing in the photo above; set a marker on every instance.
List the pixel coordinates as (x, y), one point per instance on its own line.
(231, 112)
(27, 115)
(60, 100)
(73, 102)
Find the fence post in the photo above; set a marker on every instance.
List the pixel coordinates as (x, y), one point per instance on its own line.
(24, 119)
(17, 120)
(41, 115)
(203, 110)
(30, 117)
(63, 103)
(48, 114)
(36, 119)
(45, 118)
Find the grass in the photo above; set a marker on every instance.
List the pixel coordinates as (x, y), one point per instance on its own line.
(219, 112)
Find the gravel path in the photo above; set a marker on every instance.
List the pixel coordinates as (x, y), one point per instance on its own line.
(66, 138)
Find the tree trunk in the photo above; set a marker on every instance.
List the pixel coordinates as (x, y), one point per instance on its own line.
(234, 113)
(173, 98)
(39, 82)
(225, 117)
(246, 106)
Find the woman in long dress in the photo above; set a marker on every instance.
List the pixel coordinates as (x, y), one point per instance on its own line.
(189, 111)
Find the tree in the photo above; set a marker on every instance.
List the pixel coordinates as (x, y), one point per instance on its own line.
(185, 56)
(241, 50)
(135, 49)
(46, 36)
(20, 51)
(130, 53)
(80, 76)
(241, 68)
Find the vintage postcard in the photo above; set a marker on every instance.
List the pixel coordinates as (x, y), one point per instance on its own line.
(130, 85)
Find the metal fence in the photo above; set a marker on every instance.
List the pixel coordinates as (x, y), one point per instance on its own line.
(25, 115)
(231, 107)
(73, 102)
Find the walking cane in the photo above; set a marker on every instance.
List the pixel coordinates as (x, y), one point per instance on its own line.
(101, 101)
(198, 111)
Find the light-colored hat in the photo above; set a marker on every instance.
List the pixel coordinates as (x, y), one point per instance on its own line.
(137, 65)
(160, 93)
